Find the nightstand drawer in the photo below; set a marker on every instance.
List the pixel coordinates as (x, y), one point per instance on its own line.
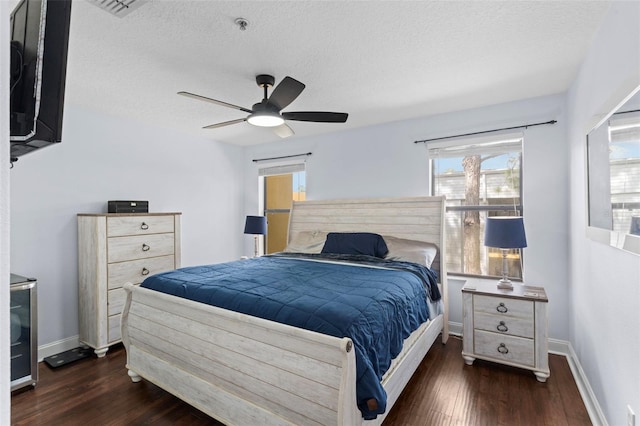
(511, 349)
(118, 226)
(139, 247)
(502, 306)
(136, 271)
(503, 324)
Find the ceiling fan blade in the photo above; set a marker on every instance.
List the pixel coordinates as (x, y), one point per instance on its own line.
(283, 131)
(316, 116)
(214, 101)
(224, 123)
(285, 92)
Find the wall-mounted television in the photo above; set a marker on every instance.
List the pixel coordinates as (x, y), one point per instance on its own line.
(39, 44)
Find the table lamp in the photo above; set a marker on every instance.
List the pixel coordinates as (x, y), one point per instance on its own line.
(505, 232)
(255, 225)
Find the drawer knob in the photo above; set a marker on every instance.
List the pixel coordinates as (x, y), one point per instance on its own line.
(503, 349)
(144, 226)
(145, 247)
(502, 327)
(145, 271)
(501, 308)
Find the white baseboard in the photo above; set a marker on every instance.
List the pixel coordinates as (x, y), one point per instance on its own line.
(455, 328)
(564, 348)
(57, 347)
(590, 401)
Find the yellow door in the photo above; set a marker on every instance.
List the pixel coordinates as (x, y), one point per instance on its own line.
(278, 196)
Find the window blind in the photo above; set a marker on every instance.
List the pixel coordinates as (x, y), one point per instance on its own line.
(503, 144)
(281, 169)
(625, 128)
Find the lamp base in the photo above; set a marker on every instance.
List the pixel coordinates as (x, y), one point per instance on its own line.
(255, 251)
(505, 284)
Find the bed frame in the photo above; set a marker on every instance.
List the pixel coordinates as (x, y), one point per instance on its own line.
(244, 370)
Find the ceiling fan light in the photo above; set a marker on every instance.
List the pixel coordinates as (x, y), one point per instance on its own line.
(265, 120)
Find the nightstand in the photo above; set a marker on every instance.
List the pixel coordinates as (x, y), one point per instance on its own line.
(506, 326)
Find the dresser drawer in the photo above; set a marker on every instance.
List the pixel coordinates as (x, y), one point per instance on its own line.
(503, 307)
(120, 249)
(118, 226)
(114, 328)
(115, 301)
(135, 271)
(504, 324)
(516, 350)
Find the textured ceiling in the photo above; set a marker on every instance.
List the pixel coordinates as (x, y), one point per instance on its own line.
(379, 61)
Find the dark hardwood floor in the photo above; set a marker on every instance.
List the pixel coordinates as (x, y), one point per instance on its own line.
(444, 391)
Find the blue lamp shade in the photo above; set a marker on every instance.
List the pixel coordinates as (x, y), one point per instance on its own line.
(506, 232)
(256, 225)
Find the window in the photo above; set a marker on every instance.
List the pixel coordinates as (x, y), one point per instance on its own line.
(480, 177)
(282, 185)
(624, 170)
(614, 173)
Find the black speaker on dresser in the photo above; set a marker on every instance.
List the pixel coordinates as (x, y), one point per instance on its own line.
(127, 207)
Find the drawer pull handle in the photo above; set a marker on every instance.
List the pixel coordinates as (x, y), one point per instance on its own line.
(145, 271)
(144, 226)
(145, 247)
(501, 308)
(503, 349)
(502, 327)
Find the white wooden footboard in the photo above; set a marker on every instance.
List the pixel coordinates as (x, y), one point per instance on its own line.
(244, 370)
(237, 368)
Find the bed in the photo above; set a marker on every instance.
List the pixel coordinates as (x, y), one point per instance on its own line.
(245, 370)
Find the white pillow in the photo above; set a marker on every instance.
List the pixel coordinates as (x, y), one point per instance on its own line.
(410, 250)
(306, 242)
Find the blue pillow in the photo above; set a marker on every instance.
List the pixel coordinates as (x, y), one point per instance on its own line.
(355, 243)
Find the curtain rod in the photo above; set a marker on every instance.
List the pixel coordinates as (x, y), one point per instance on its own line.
(285, 156)
(487, 131)
(626, 112)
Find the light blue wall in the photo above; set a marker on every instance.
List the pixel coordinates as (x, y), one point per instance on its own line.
(604, 298)
(106, 158)
(382, 160)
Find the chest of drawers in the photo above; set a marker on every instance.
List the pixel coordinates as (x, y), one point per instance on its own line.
(509, 327)
(114, 249)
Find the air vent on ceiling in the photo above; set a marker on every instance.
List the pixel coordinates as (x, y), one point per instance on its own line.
(119, 8)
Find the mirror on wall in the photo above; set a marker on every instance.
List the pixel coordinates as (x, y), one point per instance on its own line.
(613, 151)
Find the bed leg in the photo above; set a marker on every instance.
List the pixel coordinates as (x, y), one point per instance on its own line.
(135, 378)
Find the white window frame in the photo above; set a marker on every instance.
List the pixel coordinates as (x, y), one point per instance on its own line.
(274, 170)
(502, 142)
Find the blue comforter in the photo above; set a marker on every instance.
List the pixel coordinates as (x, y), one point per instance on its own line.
(376, 308)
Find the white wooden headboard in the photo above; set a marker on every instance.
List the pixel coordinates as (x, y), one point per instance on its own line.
(413, 218)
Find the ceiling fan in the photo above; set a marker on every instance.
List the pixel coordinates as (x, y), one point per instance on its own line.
(267, 113)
